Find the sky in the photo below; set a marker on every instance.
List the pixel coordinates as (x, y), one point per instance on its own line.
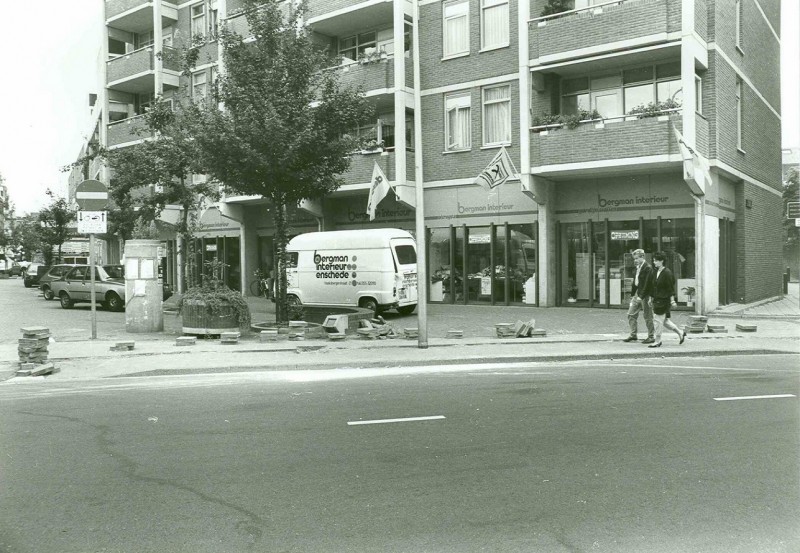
(51, 67)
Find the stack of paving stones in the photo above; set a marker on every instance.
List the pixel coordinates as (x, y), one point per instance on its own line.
(33, 352)
(297, 330)
(268, 335)
(716, 328)
(742, 327)
(229, 337)
(455, 333)
(127, 345)
(520, 329)
(505, 330)
(411, 333)
(186, 340)
(697, 324)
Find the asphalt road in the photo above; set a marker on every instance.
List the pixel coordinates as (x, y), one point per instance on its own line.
(616, 457)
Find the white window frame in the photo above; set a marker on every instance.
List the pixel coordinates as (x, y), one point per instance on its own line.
(487, 5)
(484, 105)
(198, 23)
(739, 7)
(698, 94)
(739, 113)
(213, 20)
(459, 5)
(195, 84)
(457, 101)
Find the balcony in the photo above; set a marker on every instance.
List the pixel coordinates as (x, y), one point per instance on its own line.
(597, 144)
(375, 75)
(136, 16)
(360, 171)
(135, 72)
(603, 28)
(128, 130)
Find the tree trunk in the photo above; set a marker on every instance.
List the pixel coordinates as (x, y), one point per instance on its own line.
(281, 311)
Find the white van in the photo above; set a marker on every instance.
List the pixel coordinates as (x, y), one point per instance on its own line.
(375, 269)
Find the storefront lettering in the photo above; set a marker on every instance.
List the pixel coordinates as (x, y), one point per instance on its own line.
(399, 213)
(636, 200)
(462, 209)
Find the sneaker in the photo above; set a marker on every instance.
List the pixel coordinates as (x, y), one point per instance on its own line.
(649, 340)
(631, 339)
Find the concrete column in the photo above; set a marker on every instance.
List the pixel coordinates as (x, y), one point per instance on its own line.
(158, 48)
(143, 290)
(545, 197)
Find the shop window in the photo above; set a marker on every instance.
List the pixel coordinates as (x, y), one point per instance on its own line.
(521, 263)
(678, 244)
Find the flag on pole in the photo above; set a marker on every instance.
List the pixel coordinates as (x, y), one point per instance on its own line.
(378, 190)
(498, 171)
(701, 169)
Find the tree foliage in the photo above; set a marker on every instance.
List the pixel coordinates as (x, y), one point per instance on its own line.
(281, 134)
(26, 236)
(55, 222)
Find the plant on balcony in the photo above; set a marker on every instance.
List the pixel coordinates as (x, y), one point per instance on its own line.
(373, 56)
(568, 121)
(372, 145)
(654, 109)
(557, 6)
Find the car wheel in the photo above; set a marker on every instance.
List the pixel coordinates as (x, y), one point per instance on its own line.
(66, 301)
(114, 302)
(371, 304)
(407, 309)
(48, 293)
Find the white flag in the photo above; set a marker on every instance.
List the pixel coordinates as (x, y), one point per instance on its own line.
(378, 190)
(701, 169)
(498, 171)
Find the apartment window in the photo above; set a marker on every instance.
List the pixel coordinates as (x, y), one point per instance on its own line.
(116, 47)
(739, 16)
(213, 20)
(456, 28)
(497, 115)
(698, 94)
(142, 40)
(199, 87)
(198, 20)
(739, 113)
(143, 102)
(494, 24)
(357, 46)
(458, 122)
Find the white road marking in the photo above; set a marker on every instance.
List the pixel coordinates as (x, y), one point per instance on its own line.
(753, 397)
(384, 421)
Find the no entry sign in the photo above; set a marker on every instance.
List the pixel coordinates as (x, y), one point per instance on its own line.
(91, 195)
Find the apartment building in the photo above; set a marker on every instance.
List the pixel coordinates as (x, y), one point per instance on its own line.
(590, 103)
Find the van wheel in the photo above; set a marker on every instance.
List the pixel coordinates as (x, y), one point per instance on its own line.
(48, 293)
(371, 304)
(66, 301)
(407, 309)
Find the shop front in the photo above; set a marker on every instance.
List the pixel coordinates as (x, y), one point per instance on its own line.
(482, 245)
(601, 222)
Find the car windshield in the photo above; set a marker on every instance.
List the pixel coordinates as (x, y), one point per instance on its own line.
(101, 273)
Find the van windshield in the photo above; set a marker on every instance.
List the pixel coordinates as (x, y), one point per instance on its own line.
(406, 255)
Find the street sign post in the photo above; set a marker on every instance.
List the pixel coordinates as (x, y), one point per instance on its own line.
(92, 199)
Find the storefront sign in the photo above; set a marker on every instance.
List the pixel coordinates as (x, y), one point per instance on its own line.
(211, 247)
(624, 234)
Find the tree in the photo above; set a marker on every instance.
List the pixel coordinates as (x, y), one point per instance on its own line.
(55, 220)
(280, 132)
(790, 194)
(27, 236)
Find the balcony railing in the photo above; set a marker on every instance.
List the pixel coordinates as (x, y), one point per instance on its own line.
(634, 21)
(622, 138)
(136, 62)
(374, 75)
(127, 130)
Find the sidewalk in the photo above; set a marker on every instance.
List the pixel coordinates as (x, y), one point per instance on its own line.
(572, 334)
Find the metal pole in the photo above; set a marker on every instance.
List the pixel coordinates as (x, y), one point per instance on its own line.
(422, 273)
(91, 270)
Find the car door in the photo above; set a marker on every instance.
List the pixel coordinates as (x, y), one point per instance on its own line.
(78, 283)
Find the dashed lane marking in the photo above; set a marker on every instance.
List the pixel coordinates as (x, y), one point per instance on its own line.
(776, 396)
(384, 421)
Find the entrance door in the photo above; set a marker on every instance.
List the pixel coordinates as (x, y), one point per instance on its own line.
(623, 239)
(576, 264)
(478, 270)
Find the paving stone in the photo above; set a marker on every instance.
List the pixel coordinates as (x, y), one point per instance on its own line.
(746, 327)
(186, 340)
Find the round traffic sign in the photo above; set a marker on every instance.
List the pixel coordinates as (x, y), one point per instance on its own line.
(91, 195)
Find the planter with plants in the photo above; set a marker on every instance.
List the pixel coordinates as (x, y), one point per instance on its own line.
(690, 292)
(555, 121)
(654, 109)
(212, 308)
(572, 291)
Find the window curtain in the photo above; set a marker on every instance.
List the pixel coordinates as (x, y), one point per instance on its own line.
(456, 31)
(497, 115)
(458, 119)
(495, 26)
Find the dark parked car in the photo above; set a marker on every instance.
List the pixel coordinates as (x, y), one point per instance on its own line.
(118, 271)
(33, 273)
(55, 272)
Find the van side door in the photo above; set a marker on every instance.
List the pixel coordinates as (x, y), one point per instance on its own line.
(404, 252)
